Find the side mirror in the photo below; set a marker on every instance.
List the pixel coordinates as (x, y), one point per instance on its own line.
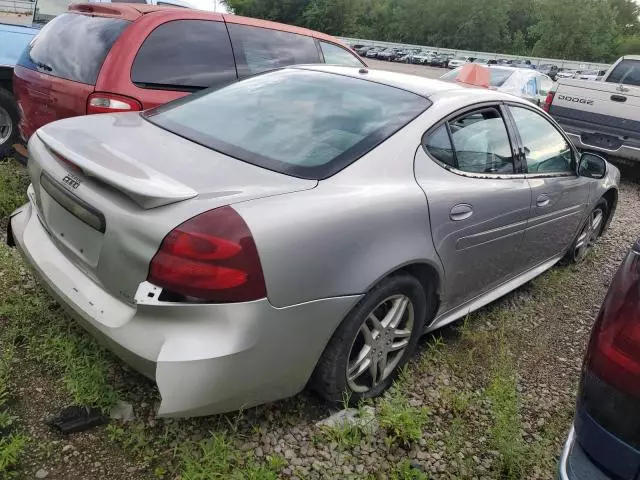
(592, 166)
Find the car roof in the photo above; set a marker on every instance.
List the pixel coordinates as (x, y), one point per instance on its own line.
(133, 11)
(425, 87)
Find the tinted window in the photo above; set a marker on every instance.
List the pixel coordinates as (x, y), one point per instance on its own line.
(545, 149)
(261, 49)
(73, 46)
(627, 72)
(481, 143)
(298, 122)
(186, 54)
(438, 145)
(335, 55)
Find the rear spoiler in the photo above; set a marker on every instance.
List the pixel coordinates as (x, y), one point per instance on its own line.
(144, 185)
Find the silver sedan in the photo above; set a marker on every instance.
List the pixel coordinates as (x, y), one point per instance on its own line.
(305, 226)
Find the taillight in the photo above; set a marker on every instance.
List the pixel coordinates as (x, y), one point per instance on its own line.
(614, 349)
(211, 257)
(111, 103)
(548, 101)
(610, 385)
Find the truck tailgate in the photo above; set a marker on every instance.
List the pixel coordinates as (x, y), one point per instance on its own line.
(613, 108)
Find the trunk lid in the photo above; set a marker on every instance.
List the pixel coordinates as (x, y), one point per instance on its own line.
(138, 182)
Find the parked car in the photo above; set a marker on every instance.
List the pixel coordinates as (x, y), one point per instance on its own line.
(363, 50)
(602, 116)
(457, 62)
(422, 58)
(387, 54)
(13, 38)
(438, 61)
(373, 53)
(590, 75)
(565, 73)
(525, 83)
(206, 241)
(603, 443)
(103, 57)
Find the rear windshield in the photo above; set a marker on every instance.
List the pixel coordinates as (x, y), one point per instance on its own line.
(627, 72)
(73, 46)
(303, 123)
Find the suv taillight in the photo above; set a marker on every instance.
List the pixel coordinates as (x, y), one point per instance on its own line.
(610, 385)
(111, 103)
(548, 101)
(211, 257)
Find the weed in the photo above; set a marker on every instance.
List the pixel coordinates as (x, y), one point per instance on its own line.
(402, 422)
(216, 458)
(13, 187)
(405, 471)
(11, 444)
(505, 432)
(346, 435)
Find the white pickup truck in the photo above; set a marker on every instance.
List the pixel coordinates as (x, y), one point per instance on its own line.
(602, 115)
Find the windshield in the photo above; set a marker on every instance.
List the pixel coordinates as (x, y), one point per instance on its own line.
(498, 76)
(303, 123)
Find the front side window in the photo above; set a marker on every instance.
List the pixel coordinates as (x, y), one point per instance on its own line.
(478, 143)
(335, 55)
(185, 55)
(546, 150)
(303, 123)
(260, 49)
(626, 72)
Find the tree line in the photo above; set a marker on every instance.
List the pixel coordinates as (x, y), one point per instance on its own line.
(590, 30)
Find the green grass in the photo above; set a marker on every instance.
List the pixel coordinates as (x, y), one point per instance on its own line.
(12, 444)
(50, 338)
(404, 471)
(402, 422)
(216, 458)
(13, 186)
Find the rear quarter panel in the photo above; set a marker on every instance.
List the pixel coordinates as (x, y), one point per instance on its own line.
(353, 229)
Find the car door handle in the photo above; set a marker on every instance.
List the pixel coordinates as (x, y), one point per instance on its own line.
(462, 211)
(543, 200)
(618, 98)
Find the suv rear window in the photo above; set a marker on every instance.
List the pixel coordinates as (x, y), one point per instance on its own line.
(185, 54)
(73, 46)
(260, 49)
(303, 123)
(626, 72)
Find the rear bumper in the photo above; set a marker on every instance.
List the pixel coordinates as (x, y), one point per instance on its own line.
(205, 359)
(574, 463)
(625, 151)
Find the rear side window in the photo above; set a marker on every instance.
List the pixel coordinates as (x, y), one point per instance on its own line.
(185, 55)
(335, 55)
(476, 142)
(627, 72)
(73, 46)
(303, 123)
(260, 49)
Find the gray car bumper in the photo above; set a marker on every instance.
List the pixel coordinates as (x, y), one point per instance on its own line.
(627, 152)
(204, 358)
(575, 464)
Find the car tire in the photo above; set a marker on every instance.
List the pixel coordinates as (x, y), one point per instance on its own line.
(8, 123)
(349, 348)
(589, 232)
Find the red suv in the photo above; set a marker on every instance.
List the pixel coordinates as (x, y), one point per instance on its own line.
(122, 57)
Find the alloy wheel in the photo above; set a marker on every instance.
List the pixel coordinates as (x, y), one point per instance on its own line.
(6, 126)
(380, 343)
(589, 234)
